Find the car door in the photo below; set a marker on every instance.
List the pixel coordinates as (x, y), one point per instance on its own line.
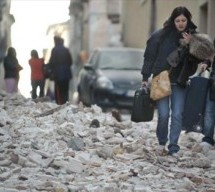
(88, 78)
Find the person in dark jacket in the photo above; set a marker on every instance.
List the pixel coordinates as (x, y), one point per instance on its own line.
(209, 117)
(60, 63)
(159, 46)
(11, 68)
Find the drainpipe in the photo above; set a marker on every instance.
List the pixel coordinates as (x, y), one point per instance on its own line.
(76, 13)
(153, 13)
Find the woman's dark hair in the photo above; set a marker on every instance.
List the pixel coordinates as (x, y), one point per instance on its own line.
(179, 11)
(34, 54)
(170, 23)
(11, 52)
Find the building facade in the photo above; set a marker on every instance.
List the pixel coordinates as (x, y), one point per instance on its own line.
(137, 17)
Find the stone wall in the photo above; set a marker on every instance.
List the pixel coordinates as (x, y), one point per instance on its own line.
(6, 20)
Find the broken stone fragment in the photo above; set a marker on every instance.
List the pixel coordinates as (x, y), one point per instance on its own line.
(76, 143)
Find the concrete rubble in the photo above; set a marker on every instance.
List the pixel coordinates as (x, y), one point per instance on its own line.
(47, 148)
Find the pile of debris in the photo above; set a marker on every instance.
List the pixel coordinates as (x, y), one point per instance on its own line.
(46, 147)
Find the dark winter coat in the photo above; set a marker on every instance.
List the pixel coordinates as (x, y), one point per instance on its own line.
(60, 63)
(200, 49)
(11, 67)
(157, 52)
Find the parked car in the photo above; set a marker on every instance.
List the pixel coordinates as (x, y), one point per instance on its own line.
(110, 77)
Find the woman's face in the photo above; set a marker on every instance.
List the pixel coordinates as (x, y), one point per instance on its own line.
(180, 23)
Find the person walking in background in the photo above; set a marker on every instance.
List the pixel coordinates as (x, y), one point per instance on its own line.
(11, 68)
(60, 63)
(37, 74)
(209, 117)
(159, 46)
(209, 123)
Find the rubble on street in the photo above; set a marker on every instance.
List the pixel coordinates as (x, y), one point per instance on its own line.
(70, 148)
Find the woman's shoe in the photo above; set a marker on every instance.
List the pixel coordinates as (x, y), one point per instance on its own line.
(161, 150)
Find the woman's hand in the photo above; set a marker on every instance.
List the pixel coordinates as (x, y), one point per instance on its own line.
(144, 83)
(203, 66)
(186, 37)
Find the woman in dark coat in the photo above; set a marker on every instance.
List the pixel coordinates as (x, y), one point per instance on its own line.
(11, 68)
(159, 46)
(209, 118)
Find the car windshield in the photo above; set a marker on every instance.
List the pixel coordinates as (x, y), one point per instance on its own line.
(121, 60)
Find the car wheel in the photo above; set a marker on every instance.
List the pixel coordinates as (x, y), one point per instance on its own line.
(80, 97)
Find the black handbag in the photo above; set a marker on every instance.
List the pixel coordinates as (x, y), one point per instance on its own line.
(143, 106)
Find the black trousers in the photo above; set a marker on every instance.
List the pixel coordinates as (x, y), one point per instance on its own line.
(35, 84)
(61, 91)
